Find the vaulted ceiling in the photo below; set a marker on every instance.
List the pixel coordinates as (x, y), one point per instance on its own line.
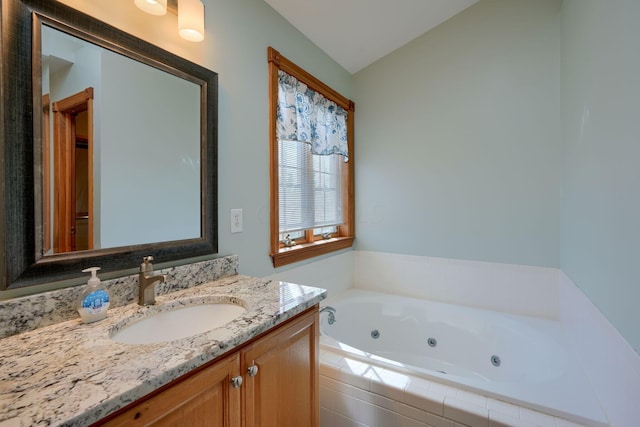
(356, 33)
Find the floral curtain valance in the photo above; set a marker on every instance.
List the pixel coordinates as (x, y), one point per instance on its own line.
(306, 116)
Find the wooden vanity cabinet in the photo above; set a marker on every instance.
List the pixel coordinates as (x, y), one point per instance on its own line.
(279, 386)
(281, 371)
(205, 398)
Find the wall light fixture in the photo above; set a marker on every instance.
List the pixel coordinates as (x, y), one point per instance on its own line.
(190, 15)
(154, 7)
(191, 20)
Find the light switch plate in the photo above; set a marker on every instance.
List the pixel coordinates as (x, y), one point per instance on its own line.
(236, 220)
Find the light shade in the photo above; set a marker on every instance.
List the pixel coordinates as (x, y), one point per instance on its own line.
(153, 7)
(191, 20)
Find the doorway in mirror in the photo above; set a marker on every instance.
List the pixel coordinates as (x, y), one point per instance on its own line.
(73, 178)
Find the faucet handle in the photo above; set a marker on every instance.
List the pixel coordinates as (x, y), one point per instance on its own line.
(146, 266)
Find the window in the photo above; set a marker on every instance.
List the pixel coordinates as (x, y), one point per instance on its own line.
(312, 205)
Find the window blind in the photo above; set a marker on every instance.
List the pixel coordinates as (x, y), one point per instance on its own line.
(309, 188)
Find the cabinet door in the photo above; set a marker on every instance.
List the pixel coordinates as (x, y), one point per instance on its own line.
(284, 391)
(206, 398)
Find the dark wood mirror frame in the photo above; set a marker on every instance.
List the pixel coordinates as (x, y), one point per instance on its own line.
(20, 140)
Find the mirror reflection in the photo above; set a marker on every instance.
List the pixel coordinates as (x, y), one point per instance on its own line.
(121, 149)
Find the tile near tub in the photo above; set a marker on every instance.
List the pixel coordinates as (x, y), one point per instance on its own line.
(355, 367)
(332, 419)
(561, 422)
(361, 380)
(425, 399)
(472, 398)
(332, 365)
(466, 413)
(503, 408)
(326, 417)
(374, 399)
(437, 421)
(331, 358)
(330, 371)
(386, 418)
(411, 412)
(387, 391)
(444, 389)
(362, 375)
(389, 383)
(418, 384)
(326, 396)
(499, 419)
(424, 404)
(327, 381)
(341, 421)
(355, 409)
(540, 419)
(336, 385)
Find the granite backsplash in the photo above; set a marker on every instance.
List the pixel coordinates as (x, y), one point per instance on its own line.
(35, 311)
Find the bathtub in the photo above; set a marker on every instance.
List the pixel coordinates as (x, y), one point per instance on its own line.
(520, 360)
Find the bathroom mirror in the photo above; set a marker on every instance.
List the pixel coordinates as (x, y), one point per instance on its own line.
(108, 148)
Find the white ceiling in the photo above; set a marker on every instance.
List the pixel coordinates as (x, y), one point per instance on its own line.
(356, 33)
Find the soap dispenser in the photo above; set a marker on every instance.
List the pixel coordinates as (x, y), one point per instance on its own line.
(94, 300)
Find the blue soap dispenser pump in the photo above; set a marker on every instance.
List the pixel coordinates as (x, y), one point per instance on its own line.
(94, 300)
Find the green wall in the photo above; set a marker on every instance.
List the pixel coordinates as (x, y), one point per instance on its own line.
(458, 139)
(601, 158)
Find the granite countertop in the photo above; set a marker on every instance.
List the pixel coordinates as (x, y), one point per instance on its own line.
(73, 374)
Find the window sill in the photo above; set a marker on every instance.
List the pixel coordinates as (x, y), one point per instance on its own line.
(304, 251)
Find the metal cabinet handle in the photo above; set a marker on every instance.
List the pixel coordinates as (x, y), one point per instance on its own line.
(252, 370)
(236, 382)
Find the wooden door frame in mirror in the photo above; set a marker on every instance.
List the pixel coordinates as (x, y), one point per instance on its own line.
(21, 260)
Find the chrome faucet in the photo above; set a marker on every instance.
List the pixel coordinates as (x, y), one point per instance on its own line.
(331, 316)
(147, 281)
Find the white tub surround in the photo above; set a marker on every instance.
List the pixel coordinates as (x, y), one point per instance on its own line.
(610, 362)
(73, 374)
(358, 393)
(522, 360)
(335, 273)
(517, 289)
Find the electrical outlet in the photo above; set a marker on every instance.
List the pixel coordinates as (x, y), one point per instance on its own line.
(236, 220)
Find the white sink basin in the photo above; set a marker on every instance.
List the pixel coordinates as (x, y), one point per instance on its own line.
(177, 321)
